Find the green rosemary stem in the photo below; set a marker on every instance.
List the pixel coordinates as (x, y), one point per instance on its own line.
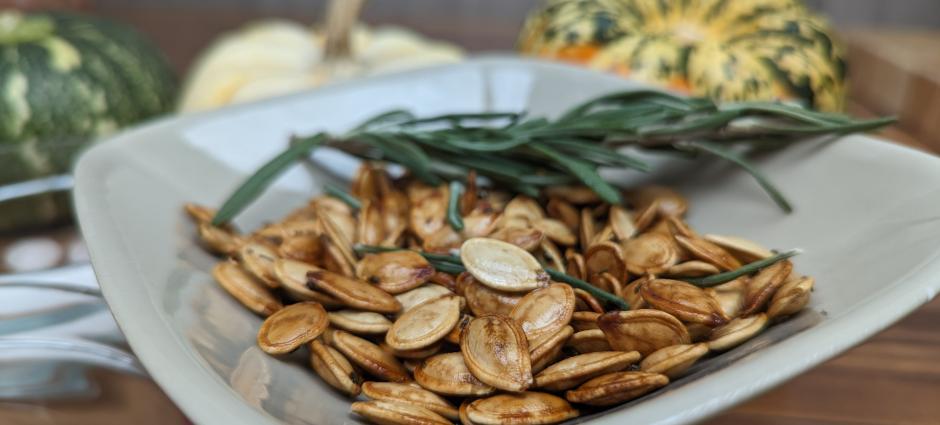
(338, 193)
(453, 206)
(591, 289)
(717, 279)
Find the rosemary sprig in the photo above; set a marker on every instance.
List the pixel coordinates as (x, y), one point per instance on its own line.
(452, 264)
(453, 206)
(527, 154)
(717, 279)
(338, 193)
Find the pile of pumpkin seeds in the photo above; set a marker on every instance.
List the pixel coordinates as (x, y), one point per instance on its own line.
(458, 319)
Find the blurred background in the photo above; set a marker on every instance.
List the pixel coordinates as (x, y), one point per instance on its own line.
(210, 49)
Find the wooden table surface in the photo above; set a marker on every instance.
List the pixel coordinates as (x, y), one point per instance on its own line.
(894, 378)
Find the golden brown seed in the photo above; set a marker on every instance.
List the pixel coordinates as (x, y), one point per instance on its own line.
(352, 292)
(416, 354)
(371, 229)
(448, 374)
(339, 237)
(544, 311)
(395, 413)
(444, 279)
(730, 295)
(502, 266)
(443, 241)
(586, 230)
(562, 210)
(419, 295)
(525, 207)
(425, 324)
(545, 351)
(334, 368)
(643, 330)
(762, 287)
(359, 322)
(409, 394)
(219, 240)
(674, 360)
(575, 263)
(509, 222)
(685, 301)
(304, 248)
(604, 235)
(333, 259)
(584, 320)
(577, 195)
(507, 367)
(395, 272)
(292, 326)
(552, 255)
(292, 276)
(737, 332)
(370, 357)
(364, 185)
(792, 296)
(479, 224)
(589, 341)
(245, 288)
(608, 283)
(199, 214)
(708, 252)
(575, 370)
(646, 216)
(669, 201)
(615, 388)
(605, 257)
(258, 259)
(650, 253)
(556, 230)
(692, 268)
(527, 408)
(429, 213)
(586, 302)
(621, 221)
(483, 300)
(527, 238)
(744, 250)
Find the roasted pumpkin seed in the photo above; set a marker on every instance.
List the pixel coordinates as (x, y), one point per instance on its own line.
(575, 265)
(762, 287)
(673, 360)
(483, 300)
(589, 341)
(219, 240)
(429, 213)
(359, 322)
(683, 300)
(334, 368)
(616, 388)
(527, 238)
(730, 295)
(584, 320)
(416, 354)
(424, 324)
(448, 374)
(643, 330)
(586, 230)
(792, 296)
(304, 248)
(544, 311)
(352, 292)
(395, 272)
(692, 268)
(507, 368)
(258, 259)
(526, 408)
(292, 276)
(409, 394)
(563, 211)
(605, 257)
(650, 253)
(669, 201)
(395, 413)
(709, 252)
(479, 224)
(744, 250)
(552, 255)
(370, 357)
(575, 370)
(502, 266)
(245, 288)
(546, 350)
(737, 332)
(292, 326)
(525, 207)
(586, 301)
(621, 221)
(556, 230)
(419, 295)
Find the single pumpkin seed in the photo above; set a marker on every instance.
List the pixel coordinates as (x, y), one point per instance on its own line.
(730, 295)
(409, 394)
(608, 283)
(425, 324)
(219, 240)
(546, 350)
(673, 360)
(606, 234)
(709, 252)
(453, 336)
(646, 216)
(330, 205)
(245, 288)
(621, 221)
(524, 206)
(589, 341)
(584, 320)
(198, 213)
(292, 326)
(792, 297)
(544, 311)
(334, 368)
(444, 279)
(744, 250)
(762, 287)
(576, 267)
(416, 354)
(396, 413)
(692, 268)
(370, 357)
(419, 295)
(304, 248)
(737, 332)
(631, 293)
(359, 322)
(586, 301)
(669, 201)
(617, 387)
(428, 214)
(333, 259)
(502, 266)
(292, 276)
(556, 230)
(605, 257)
(574, 371)
(644, 330)
(258, 259)
(586, 230)
(526, 408)
(650, 253)
(364, 185)
(508, 367)
(552, 255)
(479, 224)
(352, 292)
(442, 241)
(371, 229)
(447, 374)
(527, 238)
(560, 209)
(339, 237)
(395, 272)
(683, 300)
(483, 300)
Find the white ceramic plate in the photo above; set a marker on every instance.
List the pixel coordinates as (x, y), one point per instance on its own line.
(867, 215)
